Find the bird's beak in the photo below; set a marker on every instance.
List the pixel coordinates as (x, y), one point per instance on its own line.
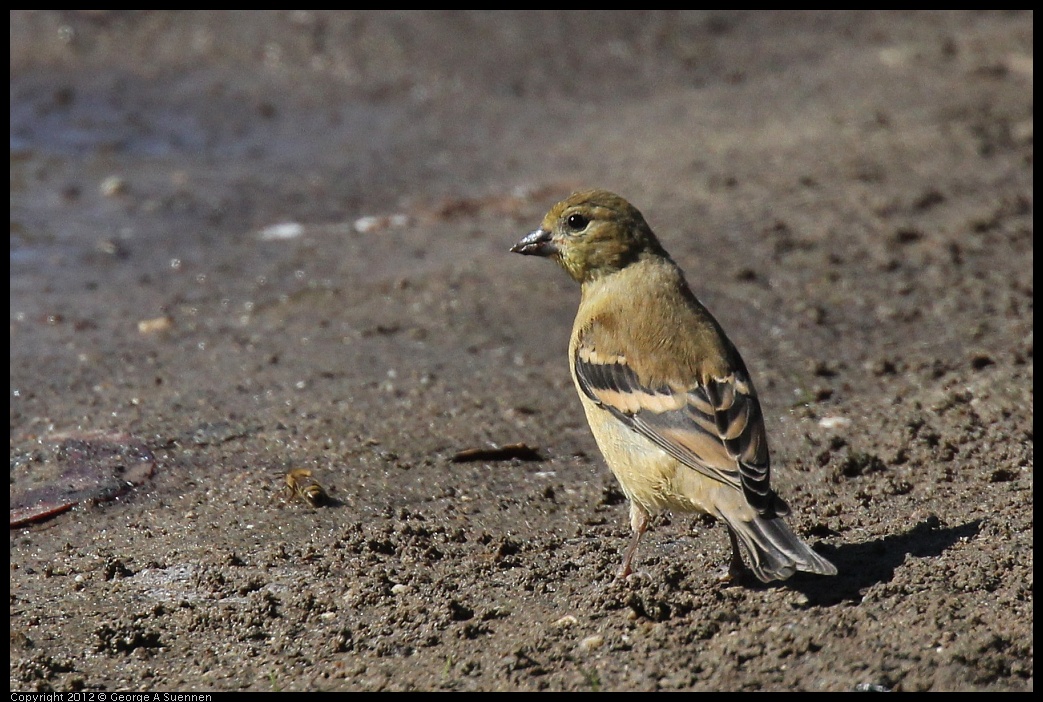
(537, 243)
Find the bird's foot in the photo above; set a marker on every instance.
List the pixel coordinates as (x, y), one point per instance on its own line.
(637, 577)
(735, 574)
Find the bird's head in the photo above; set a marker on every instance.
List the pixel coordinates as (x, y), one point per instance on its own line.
(591, 234)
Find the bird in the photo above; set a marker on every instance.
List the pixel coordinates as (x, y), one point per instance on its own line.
(668, 398)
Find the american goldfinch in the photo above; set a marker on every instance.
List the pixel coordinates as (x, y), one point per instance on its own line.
(667, 396)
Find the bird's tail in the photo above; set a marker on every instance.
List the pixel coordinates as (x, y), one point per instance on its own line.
(775, 551)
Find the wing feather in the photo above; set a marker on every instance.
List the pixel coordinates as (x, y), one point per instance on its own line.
(715, 426)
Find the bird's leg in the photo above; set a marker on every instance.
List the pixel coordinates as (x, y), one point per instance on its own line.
(638, 525)
(737, 569)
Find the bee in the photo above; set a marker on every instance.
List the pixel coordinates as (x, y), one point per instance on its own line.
(300, 483)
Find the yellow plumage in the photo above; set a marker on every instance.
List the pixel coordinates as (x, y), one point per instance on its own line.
(666, 394)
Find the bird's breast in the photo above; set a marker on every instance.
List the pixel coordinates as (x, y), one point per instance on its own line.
(646, 473)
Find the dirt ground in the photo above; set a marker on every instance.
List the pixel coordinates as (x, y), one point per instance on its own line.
(243, 244)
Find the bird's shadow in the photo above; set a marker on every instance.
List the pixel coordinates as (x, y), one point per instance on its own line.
(865, 564)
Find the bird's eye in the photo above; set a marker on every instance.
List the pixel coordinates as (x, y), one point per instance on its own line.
(577, 222)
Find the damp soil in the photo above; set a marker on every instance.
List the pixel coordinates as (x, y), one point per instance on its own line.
(248, 244)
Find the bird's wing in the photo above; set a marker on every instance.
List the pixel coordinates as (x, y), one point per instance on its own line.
(713, 426)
